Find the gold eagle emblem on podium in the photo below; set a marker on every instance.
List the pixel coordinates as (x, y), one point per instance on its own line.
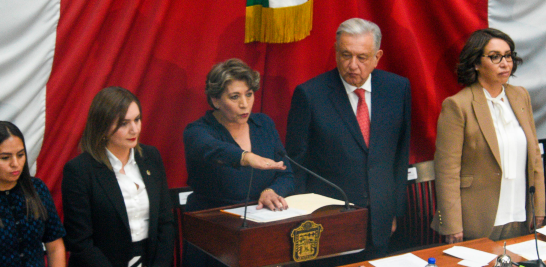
(306, 241)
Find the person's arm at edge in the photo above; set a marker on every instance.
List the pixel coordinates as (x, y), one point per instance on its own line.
(538, 170)
(447, 168)
(165, 231)
(56, 255)
(77, 219)
(297, 136)
(401, 162)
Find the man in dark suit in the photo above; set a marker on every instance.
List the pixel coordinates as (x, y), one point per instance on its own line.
(351, 125)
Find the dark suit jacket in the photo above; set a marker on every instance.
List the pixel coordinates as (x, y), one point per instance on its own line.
(323, 134)
(96, 219)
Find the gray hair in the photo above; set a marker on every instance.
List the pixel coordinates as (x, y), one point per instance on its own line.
(358, 26)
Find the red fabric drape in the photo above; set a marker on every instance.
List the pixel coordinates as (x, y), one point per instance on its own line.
(162, 50)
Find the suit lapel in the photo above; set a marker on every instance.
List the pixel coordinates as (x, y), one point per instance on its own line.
(340, 101)
(107, 179)
(148, 172)
(379, 102)
(483, 116)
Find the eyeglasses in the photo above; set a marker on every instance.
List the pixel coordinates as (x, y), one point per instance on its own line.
(497, 58)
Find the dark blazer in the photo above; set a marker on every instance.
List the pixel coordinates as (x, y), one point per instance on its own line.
(323, 134)
(96, 219)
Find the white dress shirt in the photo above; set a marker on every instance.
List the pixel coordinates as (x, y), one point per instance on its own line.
(353, 97)
(134, 194)
(513, 152)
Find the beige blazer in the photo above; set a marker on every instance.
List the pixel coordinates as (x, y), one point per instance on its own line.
(468, 166)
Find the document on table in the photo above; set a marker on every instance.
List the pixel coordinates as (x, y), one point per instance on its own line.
(542, 230)
(528, 249)
(298, 205)
(265, 215)
(471, 257)
(404, 260)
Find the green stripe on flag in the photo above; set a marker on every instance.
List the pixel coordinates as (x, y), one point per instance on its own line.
(264, 3)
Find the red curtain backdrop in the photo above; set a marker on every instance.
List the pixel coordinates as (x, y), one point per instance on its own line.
(162, 50)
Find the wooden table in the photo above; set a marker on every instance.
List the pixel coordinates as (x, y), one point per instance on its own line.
(521, 239)
(444, 260)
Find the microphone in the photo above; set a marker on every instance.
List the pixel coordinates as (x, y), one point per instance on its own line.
(248, 197)
(347, 206)
(538, 262)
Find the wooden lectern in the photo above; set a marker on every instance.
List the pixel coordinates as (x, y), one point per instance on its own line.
(220, 235)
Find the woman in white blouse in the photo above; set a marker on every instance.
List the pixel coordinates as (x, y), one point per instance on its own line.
(487, 157)
(115, 197)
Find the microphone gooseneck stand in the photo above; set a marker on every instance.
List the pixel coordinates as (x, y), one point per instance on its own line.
(538, 262)
(248, 197)
(347, 205)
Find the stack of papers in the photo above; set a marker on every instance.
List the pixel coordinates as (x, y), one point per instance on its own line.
(471, 257)
(528, 249)
(404, 260)
(298, 205)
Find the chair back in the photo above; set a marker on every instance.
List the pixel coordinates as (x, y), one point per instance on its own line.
(414, 228)
(178, 198)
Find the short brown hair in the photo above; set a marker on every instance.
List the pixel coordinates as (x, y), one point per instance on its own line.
(109, 107)
(473, 50)
(224, 73)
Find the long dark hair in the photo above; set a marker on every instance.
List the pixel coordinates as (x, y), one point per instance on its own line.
(473, 50)
(35, 207)
(108, 108)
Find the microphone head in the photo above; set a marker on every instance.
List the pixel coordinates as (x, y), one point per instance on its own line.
(532, 189)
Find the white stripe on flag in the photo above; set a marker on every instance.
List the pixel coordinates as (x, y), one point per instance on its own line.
(27, 44)
(524, 22)
(285, 3)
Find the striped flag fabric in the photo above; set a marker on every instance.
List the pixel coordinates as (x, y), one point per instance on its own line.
(27, 44)
(278, 21)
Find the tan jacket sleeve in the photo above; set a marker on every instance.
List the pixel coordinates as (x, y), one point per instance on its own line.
(447, 167)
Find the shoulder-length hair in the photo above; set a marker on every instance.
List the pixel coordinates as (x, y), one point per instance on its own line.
(108, 108)
(473, 51)
(35, 207)
(223, 74)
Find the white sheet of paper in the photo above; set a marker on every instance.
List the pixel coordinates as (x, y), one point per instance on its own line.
(542, 230)
(470, 263)
(528, 249)
(474, 255)
(183, 197)
(541, 146)
(412, 173)
(404, 260)
(311, 202)
(265, 215)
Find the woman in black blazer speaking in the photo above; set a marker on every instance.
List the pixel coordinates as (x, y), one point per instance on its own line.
(116, 204)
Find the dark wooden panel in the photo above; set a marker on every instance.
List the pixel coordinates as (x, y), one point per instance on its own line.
(259, 244)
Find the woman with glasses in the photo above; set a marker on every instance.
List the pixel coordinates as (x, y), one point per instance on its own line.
(487, 157)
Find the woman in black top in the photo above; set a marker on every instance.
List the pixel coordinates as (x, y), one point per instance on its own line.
(28, 216)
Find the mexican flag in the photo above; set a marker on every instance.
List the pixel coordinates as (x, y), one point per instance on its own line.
(55, 55)
(278, 21)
